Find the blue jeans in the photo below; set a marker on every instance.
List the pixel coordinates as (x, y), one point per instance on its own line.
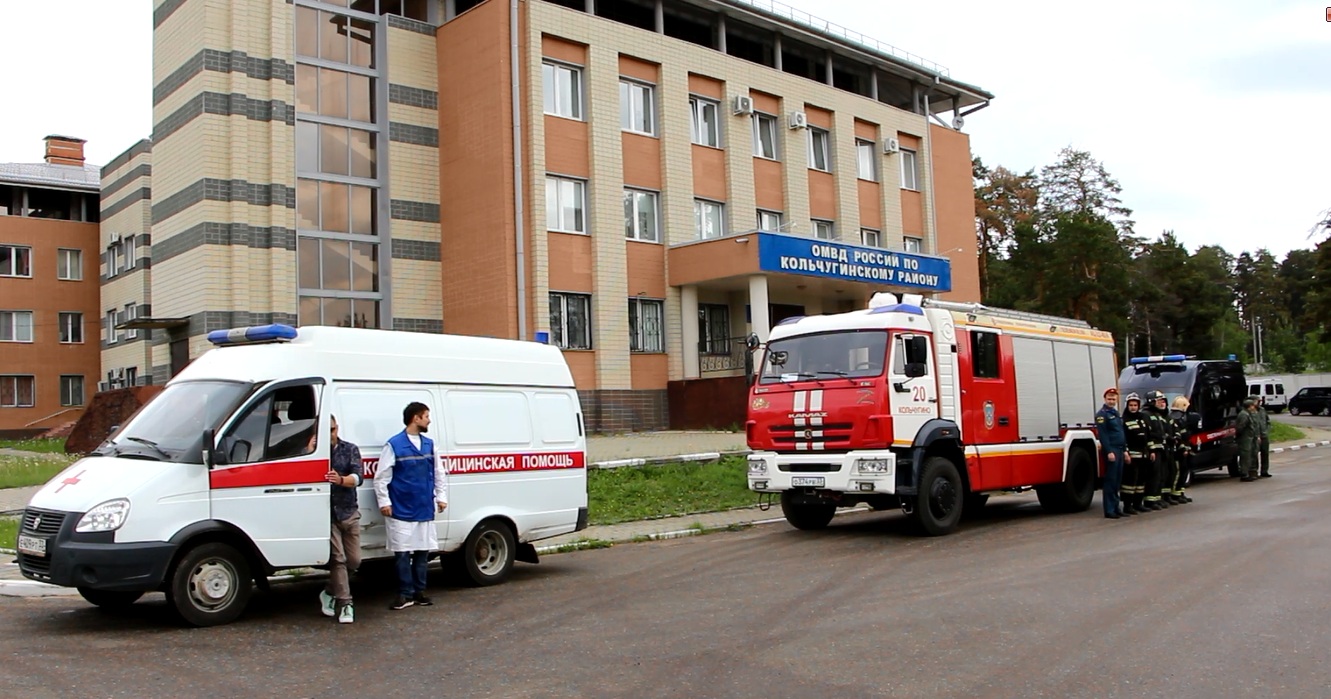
(411, 566)
(1113, 481)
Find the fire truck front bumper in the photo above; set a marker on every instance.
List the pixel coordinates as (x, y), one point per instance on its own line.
(851, 472)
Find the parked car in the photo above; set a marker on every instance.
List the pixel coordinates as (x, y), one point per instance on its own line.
(1313, 400)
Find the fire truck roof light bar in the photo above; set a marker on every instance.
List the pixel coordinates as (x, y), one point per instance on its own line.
(253, 334)
(1155, 359)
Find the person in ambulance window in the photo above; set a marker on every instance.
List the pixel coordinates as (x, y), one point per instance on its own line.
(409, 485)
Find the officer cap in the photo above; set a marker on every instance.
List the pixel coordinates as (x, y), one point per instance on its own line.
(1111, 391)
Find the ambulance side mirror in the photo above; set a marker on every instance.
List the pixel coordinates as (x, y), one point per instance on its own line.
(209, 446)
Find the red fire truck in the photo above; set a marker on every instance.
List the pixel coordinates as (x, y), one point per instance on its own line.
(928, 406)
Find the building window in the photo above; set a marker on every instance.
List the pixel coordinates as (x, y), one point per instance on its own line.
(334, 207)
(637, 107)
(131, 376)
(570, 320)
(131, 312)
(820, 156)
(705, 122)
(112, 335)
(71, 391)
(910, 244)
(764, 136)
(714, 328)
(330, 264)
(334, 93)
(69, 264)
(770, 221)
(131, 244)
(640, 215)
(646, 325)
(824, 230)
(15, 326)
(871, 238)
(866, 160)
(342, 312)
(563, 90)
(335, 150)
(909, 178)
(15, 261)
(17, 391)
(565, 205)
(708, 219)
(71, 327)
(334, 37)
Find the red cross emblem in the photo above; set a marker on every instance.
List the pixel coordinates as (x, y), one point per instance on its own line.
(72, 480)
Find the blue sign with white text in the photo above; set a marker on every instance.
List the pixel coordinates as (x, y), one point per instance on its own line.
(854, 263)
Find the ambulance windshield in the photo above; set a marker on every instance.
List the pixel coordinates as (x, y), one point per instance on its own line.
(852, 354)
(170, 427)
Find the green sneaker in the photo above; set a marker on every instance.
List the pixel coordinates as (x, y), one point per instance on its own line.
(347, 614)
(328, 603)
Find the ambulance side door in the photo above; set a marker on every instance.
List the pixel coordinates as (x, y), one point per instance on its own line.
(267, 478)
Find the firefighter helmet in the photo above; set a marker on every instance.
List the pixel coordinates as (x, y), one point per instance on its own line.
(1132, 397)
(1153, 396)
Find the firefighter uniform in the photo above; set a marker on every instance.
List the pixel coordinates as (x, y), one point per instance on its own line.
(1178, 420)
(1137, 440)
(1245, 428)
(1157, 467)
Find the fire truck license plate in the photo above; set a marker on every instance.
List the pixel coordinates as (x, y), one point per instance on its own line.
(32, 546)
(807, 481)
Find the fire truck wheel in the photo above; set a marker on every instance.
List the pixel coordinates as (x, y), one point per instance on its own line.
(1075, 493)
(938, 505)
(806, 516)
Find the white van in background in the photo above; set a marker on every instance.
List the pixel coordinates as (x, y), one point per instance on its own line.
(1273, 390)
(213, 484)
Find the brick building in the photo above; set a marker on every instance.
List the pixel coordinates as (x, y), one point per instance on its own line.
(642, 182)
(49, 320)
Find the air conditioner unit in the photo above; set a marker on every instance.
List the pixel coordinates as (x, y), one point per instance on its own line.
(115, 238)
(891, 145)
(103, 386)
(742, 105)
(798, 120)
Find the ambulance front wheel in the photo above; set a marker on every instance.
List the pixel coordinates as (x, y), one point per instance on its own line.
(806, 515)
(489, 553)
(211, 585)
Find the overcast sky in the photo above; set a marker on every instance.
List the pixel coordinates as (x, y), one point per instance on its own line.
(1215, 115)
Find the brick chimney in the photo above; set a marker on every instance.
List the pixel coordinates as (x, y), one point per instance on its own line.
(64, 150)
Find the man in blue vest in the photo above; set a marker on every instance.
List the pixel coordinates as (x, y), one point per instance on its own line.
(409, 485)
(1113, 444)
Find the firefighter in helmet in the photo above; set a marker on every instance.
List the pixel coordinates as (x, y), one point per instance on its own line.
(1157, 464)
(1138, 439)
(1181, 420)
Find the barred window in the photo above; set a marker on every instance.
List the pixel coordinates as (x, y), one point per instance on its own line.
(646, 325)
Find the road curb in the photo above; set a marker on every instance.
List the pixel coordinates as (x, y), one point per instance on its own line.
(657, 460)
(1306, 445)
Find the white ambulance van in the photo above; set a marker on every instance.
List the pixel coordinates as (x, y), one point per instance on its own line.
(213, 484)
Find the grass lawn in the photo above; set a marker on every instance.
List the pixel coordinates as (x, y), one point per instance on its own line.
(632, 493)
(20, 471)
(47, 446)
(8, 532)
(1280, 432)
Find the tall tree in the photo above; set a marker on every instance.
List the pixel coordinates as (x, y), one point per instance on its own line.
(1078, 183)
(1004, 200)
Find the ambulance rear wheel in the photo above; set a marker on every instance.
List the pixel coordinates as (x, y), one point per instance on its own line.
(806, 516)
(487, 557)
(210, 585)
(109, 599)
(939, 503)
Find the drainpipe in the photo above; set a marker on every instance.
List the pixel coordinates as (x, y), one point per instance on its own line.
(519, 239)
(933, 187)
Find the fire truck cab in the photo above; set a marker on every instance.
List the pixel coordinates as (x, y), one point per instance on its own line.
(928, 406)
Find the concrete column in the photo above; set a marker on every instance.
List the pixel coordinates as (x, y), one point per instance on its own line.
(828, 72)
(759, 313)
(660, 16)
(721, 33)
(776, 52)
(591, 7)
(873, 84)
(688, 331)
(450, 10)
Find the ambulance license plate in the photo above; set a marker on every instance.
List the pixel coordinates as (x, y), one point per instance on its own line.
(807, 481)
(32, 546)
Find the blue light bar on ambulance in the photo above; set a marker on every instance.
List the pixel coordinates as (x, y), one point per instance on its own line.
(252, 334)
(1158, 358)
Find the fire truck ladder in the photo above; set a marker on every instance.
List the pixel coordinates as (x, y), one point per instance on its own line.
(979, 309)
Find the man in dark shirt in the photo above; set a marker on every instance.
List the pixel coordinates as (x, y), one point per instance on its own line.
(1113, 444)
(346, 473)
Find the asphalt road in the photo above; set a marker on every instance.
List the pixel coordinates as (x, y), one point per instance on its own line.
(1226, 597)
(1313, 421)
